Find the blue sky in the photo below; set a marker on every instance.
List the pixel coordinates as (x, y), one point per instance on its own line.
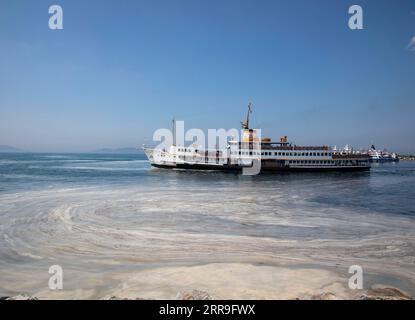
(121, 69)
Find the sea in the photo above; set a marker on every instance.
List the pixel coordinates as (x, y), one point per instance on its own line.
(106, 219)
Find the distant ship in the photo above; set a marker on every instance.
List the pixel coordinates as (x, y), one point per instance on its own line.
(381, 155)
(274, 156)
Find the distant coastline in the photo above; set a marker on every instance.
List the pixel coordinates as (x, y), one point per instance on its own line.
(127, 150)
(6, 148)
(407, 157)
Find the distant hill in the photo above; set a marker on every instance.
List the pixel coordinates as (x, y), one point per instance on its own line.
(119, 150)
(4, 148)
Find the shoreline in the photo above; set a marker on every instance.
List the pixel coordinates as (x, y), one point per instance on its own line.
(225, 281)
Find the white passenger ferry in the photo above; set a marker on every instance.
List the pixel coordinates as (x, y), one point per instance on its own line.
(273, 156)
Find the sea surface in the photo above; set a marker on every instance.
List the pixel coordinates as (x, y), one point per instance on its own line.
(107, 218)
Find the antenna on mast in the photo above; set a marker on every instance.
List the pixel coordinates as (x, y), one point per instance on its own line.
(174, 131)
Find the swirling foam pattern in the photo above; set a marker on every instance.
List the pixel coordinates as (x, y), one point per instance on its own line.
(106, 219)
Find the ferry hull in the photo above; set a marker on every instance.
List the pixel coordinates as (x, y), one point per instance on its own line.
(186, 166)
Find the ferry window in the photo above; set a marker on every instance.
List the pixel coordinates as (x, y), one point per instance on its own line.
(250, 153)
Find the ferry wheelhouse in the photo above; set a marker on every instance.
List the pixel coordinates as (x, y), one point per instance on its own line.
(273, 156)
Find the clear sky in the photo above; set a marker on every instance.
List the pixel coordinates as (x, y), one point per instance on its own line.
(121, 69)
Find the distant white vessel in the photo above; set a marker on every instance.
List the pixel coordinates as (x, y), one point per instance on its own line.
(274, 156)
(382, 155)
